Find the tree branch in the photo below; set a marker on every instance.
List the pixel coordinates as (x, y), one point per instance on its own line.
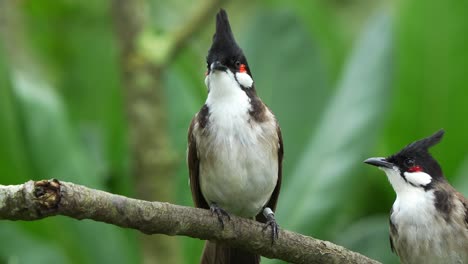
(40, 199)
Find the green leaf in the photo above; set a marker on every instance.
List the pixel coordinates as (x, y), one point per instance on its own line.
(323, 23)
(14, 166)
(81, 138)
(55, 151)
(431, 92)
(320, 183)
(77, 43)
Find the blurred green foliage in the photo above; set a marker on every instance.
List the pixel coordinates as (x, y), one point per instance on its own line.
(346, 79)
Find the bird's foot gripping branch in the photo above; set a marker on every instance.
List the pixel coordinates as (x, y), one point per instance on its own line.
(35, 200)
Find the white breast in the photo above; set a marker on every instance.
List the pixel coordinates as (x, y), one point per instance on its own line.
(424, 236)
(238, 156)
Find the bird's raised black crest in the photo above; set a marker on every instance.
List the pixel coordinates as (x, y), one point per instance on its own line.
(418, 153)
(223, 34)
(224, 47)
(426, 143)
(223, 39)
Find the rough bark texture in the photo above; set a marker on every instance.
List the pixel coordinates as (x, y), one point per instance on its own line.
(37, 200)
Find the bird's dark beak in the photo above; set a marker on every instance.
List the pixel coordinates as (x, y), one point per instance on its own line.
(217, 66)
(379, 162)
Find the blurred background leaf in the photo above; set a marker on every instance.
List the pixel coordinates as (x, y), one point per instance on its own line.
(347, 79)
(345, 130)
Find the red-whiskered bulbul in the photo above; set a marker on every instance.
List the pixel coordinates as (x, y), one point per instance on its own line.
(429, 219)
(235, 149)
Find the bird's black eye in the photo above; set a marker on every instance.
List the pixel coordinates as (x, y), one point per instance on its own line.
(238, 64)
(409, 162)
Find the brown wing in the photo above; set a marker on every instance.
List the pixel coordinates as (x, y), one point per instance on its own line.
(274, 196)
(194, 167)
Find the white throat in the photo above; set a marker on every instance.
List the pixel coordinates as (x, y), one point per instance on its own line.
(397, 182)
(222, 85)
(413, 204)
(414, 180)
(229, 107)
(225, 95)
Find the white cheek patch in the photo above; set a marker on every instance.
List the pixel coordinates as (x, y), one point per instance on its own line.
(244, 79)
(418, 178)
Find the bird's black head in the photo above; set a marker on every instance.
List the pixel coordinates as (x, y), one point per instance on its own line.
(414, 164)
(224, 52)
(416, 157)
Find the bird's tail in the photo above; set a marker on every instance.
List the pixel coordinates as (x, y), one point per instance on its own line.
(218, 254)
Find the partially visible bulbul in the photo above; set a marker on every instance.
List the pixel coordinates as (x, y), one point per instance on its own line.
(429, 219)
(235, 149)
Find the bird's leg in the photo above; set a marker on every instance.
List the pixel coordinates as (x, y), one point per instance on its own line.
(220, 212)
(271, 221)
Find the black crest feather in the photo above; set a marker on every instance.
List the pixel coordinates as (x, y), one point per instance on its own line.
(223, 32)
(426, 143)
(224, 44)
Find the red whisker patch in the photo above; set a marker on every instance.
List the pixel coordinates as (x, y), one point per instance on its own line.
(242, 68)
(415, 169)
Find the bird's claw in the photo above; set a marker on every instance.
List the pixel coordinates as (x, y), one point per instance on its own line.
(220, 212)
(274, 229)
(271, 222)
